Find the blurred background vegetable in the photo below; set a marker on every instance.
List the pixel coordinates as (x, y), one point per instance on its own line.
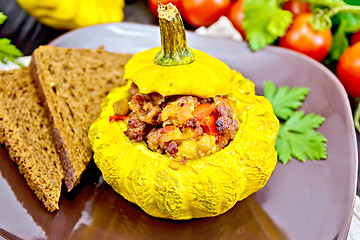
(264, 22)
(236, 15)
(348, 70)
(71, 14)
(196, 13)
(355, 38)
(303, 38)
(296, 7)
(8, 52)
(153, 5)
(203, 12)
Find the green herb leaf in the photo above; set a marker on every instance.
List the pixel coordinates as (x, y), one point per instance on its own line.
(264, 22)
(340, 42)
(347, 23)
(285, 100)
(352, 2)
(9, 52)
(2, 17)
(350, 21)
(298, 138)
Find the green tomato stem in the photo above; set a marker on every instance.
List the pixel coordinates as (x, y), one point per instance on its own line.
(174, 49)
(343, 8)
(357, 116)
(321, 19)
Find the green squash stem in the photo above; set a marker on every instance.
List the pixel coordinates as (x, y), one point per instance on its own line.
(174, 49)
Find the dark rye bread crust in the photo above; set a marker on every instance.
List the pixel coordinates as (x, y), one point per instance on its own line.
(25, 132)
(72, 84)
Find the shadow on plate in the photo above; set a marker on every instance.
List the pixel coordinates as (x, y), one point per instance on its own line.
(94, 211)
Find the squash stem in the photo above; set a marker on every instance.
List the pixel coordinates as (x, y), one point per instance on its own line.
(357, 115)
(174, 49)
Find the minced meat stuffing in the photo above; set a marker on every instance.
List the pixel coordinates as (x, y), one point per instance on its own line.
(185, 127)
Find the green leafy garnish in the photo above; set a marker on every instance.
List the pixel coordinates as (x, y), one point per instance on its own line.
(264, 22)
(8, 52)
(333, 3)
(352, 2)
(2, 17)
(285, 100)
(297, 136)
(347, 23)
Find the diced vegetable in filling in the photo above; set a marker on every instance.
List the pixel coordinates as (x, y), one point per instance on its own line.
(184, 127)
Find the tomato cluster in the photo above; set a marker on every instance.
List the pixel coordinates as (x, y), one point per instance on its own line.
(303, 38)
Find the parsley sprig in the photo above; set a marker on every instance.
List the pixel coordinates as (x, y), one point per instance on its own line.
(264, 22)
(8, 52)
(297, 137)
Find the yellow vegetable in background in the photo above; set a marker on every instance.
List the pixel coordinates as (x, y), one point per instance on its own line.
(202, 187)
(71, 14)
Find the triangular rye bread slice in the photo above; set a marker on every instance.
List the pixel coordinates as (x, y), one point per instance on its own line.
(72, 83)
(25, 132)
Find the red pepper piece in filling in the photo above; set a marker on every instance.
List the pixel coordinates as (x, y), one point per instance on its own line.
(167, 129)
(204, 113)
(209, 124)
(116, 118)
(203, 110)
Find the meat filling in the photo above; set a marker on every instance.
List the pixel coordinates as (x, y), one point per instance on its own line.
(184, 127)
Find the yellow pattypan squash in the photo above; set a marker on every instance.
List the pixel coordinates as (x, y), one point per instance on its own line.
(71, 14)
(203, 187)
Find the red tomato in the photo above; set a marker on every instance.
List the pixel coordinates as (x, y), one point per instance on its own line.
(152, 4)
(236, 16)
(303, 38)
(297, 7)
(355, 38)
(348, 70)
(203, 12)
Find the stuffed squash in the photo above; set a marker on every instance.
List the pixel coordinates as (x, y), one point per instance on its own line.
(186, 137)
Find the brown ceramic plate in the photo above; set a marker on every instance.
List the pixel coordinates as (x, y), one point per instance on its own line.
(311, 200)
